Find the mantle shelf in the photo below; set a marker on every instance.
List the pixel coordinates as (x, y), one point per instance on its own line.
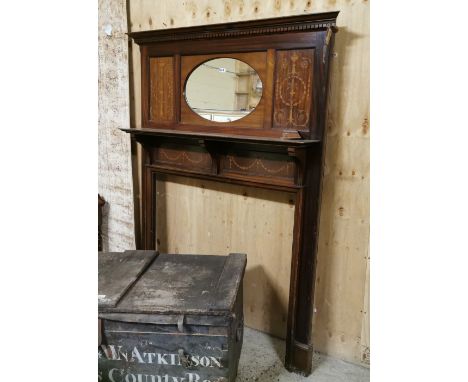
(166, 133)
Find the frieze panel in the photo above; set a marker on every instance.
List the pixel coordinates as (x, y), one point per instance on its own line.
(185, 158)
(262, 165)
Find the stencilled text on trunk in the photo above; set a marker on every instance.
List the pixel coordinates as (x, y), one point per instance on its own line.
(121, 374)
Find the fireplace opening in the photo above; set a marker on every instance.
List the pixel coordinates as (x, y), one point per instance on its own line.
(214, 218)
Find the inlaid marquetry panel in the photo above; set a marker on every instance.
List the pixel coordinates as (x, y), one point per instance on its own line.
(264, 165)
(189, 158)
(293, 89)
(162, 103)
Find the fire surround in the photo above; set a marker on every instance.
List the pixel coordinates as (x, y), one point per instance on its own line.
(278, 146)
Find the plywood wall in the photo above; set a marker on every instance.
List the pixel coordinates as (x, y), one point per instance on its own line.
(215, 218)
(341, 302)
(115, 167)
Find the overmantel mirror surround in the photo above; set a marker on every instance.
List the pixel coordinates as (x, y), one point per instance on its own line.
(277, 144)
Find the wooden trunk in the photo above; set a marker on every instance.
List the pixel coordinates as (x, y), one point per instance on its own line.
(170, 318)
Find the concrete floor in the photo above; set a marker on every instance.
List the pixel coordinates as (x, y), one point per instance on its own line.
(262, 361)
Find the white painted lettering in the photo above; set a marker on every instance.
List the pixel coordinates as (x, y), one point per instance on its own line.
(161, 359)
(204, 361)
(109, 351)
(113, 354)
(148, 378)
(111, 374)
(215, 361)
(150, 356)
(193, 377)
(117, 354)
(195, 360)
(125, 355)
(173, 359)
(136, 354)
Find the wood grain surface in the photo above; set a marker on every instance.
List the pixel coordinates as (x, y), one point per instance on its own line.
(162, 92)
(118, 271)
(213, 218)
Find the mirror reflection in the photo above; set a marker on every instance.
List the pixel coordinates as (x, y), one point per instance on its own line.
(223, 90)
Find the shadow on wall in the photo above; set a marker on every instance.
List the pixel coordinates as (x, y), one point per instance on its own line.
(272, 316)
(265, 306)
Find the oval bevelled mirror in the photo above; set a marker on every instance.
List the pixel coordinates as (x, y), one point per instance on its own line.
(223, 90)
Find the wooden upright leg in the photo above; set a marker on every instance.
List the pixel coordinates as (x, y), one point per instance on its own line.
(149, 204)
(301, 296)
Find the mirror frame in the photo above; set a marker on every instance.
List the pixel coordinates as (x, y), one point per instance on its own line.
(184, 91)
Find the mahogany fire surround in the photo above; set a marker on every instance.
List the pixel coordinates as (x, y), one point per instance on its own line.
(278, 146)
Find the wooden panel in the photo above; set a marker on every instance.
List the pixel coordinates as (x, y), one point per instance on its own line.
(344, 228)
(208, 217)
(184, 158)
(117, 273)
(261, 165)
(256, 60)
(293, 89)
(186, 284)
(162, 102)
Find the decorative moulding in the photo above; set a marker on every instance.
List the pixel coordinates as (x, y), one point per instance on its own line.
(236, 29)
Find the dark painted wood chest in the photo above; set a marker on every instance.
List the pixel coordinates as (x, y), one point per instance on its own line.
(170, 318)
